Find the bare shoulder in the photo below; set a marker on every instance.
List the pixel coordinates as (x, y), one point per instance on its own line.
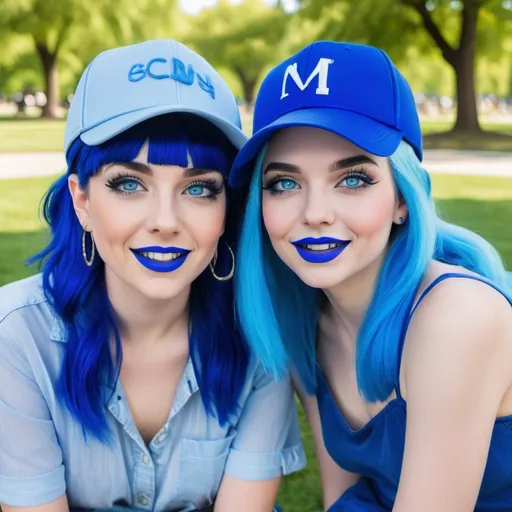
(460, 316)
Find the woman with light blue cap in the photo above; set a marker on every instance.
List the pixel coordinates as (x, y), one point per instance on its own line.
(124, 382)
(396, 324)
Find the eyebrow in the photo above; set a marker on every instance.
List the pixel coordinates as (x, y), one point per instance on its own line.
(190, 172)
(335, 166)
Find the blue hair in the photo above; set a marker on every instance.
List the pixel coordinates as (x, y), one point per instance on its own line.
(78, 293)
(279, 313)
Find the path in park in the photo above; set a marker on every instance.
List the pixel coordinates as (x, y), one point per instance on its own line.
(484, 163)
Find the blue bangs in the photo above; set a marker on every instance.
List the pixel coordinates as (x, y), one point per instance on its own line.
(172, 139)
(78, 293)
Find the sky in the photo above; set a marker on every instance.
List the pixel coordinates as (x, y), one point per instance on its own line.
(194, 6)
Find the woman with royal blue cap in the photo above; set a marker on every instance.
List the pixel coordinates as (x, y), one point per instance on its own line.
(396, 324)
(124, 382)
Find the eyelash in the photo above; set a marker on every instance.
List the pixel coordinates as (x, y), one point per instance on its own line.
(274, 181)
(355, 173)
(361, 174)
(121, 178)
(210, 185)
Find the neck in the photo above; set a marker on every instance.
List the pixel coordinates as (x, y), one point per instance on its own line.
(349, 301)
(143, 321)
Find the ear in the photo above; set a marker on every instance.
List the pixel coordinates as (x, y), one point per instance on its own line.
(80, 199)
(401, 212)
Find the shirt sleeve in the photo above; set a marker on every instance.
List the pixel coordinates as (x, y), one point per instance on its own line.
(31, 466)
(268, 442)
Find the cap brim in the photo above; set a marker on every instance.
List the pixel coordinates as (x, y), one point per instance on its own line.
(108, 129)
(371, 136)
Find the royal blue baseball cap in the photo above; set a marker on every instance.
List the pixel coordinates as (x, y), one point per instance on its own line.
(352, 90)
(125, 86)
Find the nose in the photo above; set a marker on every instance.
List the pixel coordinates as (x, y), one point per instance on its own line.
(164, 216)
(318, 210)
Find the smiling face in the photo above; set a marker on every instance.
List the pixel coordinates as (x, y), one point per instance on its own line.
(328, 206)
(156, 227)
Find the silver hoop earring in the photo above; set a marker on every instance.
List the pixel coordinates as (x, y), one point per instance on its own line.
(88, 261)
(231, 272)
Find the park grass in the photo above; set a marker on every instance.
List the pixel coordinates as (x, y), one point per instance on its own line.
(19, 135)
(32, 135)
(483, 204)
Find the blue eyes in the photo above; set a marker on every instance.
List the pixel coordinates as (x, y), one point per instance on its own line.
(125, 185)
(198, 191)
(355, 180)
(285, 184)
(128, 185)
(352, 182)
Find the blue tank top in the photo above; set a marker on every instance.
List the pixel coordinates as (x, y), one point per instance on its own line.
(375, 451)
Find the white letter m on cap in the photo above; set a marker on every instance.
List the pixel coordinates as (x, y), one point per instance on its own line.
(322, 70)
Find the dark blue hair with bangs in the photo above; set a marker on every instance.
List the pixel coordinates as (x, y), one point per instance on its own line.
(78, 292)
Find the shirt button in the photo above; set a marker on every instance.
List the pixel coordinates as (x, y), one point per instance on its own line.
(143, 500)
(161, 437)
(145, 460)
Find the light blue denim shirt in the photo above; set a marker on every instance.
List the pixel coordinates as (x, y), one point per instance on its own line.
(44, 454)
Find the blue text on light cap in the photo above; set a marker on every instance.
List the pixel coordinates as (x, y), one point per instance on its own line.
(125, 86)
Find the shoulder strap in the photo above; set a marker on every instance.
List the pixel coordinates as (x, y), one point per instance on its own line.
(434, 283)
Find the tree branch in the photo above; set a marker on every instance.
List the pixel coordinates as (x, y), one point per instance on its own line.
(449, 53)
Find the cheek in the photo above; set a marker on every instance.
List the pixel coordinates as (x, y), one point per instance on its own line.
(206, 221)
(114, 220)
(369, 216)
(279, 216)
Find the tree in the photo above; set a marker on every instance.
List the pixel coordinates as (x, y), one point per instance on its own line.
(51, 24)
(457, 27)
(245, 38)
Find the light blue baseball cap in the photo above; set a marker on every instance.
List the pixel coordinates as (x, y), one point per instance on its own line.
(125, 86)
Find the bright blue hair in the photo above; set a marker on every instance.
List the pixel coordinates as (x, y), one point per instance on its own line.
(78, 292)
(279, 313)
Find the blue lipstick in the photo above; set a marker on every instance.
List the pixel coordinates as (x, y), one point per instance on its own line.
(334, 247)
(143, 255)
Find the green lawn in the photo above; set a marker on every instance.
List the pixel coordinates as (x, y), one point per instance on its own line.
(29, 135)
(479, 203)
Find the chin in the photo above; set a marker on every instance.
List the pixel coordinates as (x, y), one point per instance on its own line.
(160, 289)
(321, 278)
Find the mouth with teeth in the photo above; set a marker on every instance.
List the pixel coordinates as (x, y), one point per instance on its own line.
(161, 259)
(319, 247)
(320, 250)
(158, 256)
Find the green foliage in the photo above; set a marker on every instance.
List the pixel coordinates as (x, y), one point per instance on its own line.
(74, 30)
(396, 26)
(245, 38)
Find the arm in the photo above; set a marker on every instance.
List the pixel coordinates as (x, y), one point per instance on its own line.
(59, 505)
(235, 494)
(267, 446)
(335, 480)
(31, 469)
(457, 364)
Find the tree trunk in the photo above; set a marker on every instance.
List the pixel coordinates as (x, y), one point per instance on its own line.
(464, 66)
(49, 63)
(461, 59)
(248, 86)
